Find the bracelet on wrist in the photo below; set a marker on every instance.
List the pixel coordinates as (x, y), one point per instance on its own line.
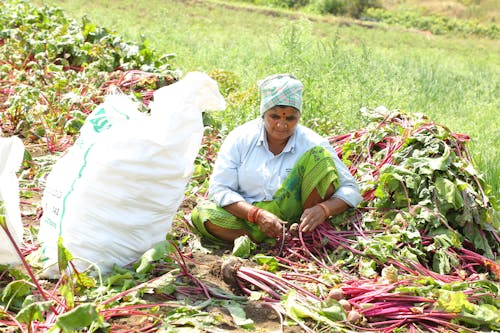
(253, 214)
(325, 209)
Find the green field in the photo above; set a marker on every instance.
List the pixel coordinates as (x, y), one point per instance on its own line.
(345, 64)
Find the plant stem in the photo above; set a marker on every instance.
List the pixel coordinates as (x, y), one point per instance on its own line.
(28, 267)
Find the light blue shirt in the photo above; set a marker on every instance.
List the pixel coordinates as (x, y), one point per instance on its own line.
(246, 170)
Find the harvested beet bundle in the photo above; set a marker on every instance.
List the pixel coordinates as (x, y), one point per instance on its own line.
(419, 175)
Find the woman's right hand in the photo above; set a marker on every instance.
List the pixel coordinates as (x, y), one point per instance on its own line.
(270, 224)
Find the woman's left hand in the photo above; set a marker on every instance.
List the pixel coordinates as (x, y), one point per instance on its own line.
(311, 218)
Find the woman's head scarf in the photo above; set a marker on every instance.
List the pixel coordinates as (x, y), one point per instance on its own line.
(280, 89)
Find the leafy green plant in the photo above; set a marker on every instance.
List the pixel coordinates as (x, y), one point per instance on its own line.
(49, 86)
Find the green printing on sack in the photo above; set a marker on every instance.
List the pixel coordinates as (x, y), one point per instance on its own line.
(100, 123)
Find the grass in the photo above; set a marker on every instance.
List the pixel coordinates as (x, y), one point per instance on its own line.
(486, 11)
(344, 65)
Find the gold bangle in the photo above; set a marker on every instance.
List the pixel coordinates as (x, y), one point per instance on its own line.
(325, 209)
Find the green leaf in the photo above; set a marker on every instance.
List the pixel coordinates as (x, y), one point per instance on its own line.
(157, 252)
(445, 238)
(88, 27)
(429, 165)
(483, 315)
(85, 281)
(296, 311)
(411, 253)
(380, 246)
(238, 314)
(63, 255)
(474, 233)
(80, 317)
(68, 295)
(165, 283)
(441, 262)
(195, 320)
(333, 310)
(27, 161)
(269, 263)
(390, 189)
(117, 279)
(453, 301)
(75, 123)
(16, 291)
(389, 181)
(243, 247)
(33, 312)
(449, 193)
(367, 267)
(411, 236)
(199, 170)
(3, 221)
(54, 68)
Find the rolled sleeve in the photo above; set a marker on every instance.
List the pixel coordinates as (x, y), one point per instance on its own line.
(349, 195)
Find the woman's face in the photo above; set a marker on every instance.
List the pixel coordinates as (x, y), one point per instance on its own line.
(280, 122)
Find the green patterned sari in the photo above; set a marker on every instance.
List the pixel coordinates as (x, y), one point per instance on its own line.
(315, 169)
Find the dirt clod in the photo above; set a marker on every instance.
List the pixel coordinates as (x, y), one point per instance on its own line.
(229, 268)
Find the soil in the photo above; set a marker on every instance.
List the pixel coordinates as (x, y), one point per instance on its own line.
(208, 267)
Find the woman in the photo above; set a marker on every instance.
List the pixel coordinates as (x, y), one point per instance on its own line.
(272, 172)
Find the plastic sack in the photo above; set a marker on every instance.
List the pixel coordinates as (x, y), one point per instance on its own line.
(11, 157)
(114, 194)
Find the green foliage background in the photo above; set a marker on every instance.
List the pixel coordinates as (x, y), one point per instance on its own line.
(345, 64)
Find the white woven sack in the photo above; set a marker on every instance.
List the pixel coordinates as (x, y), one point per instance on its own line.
(11, 157)
(113, 196)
